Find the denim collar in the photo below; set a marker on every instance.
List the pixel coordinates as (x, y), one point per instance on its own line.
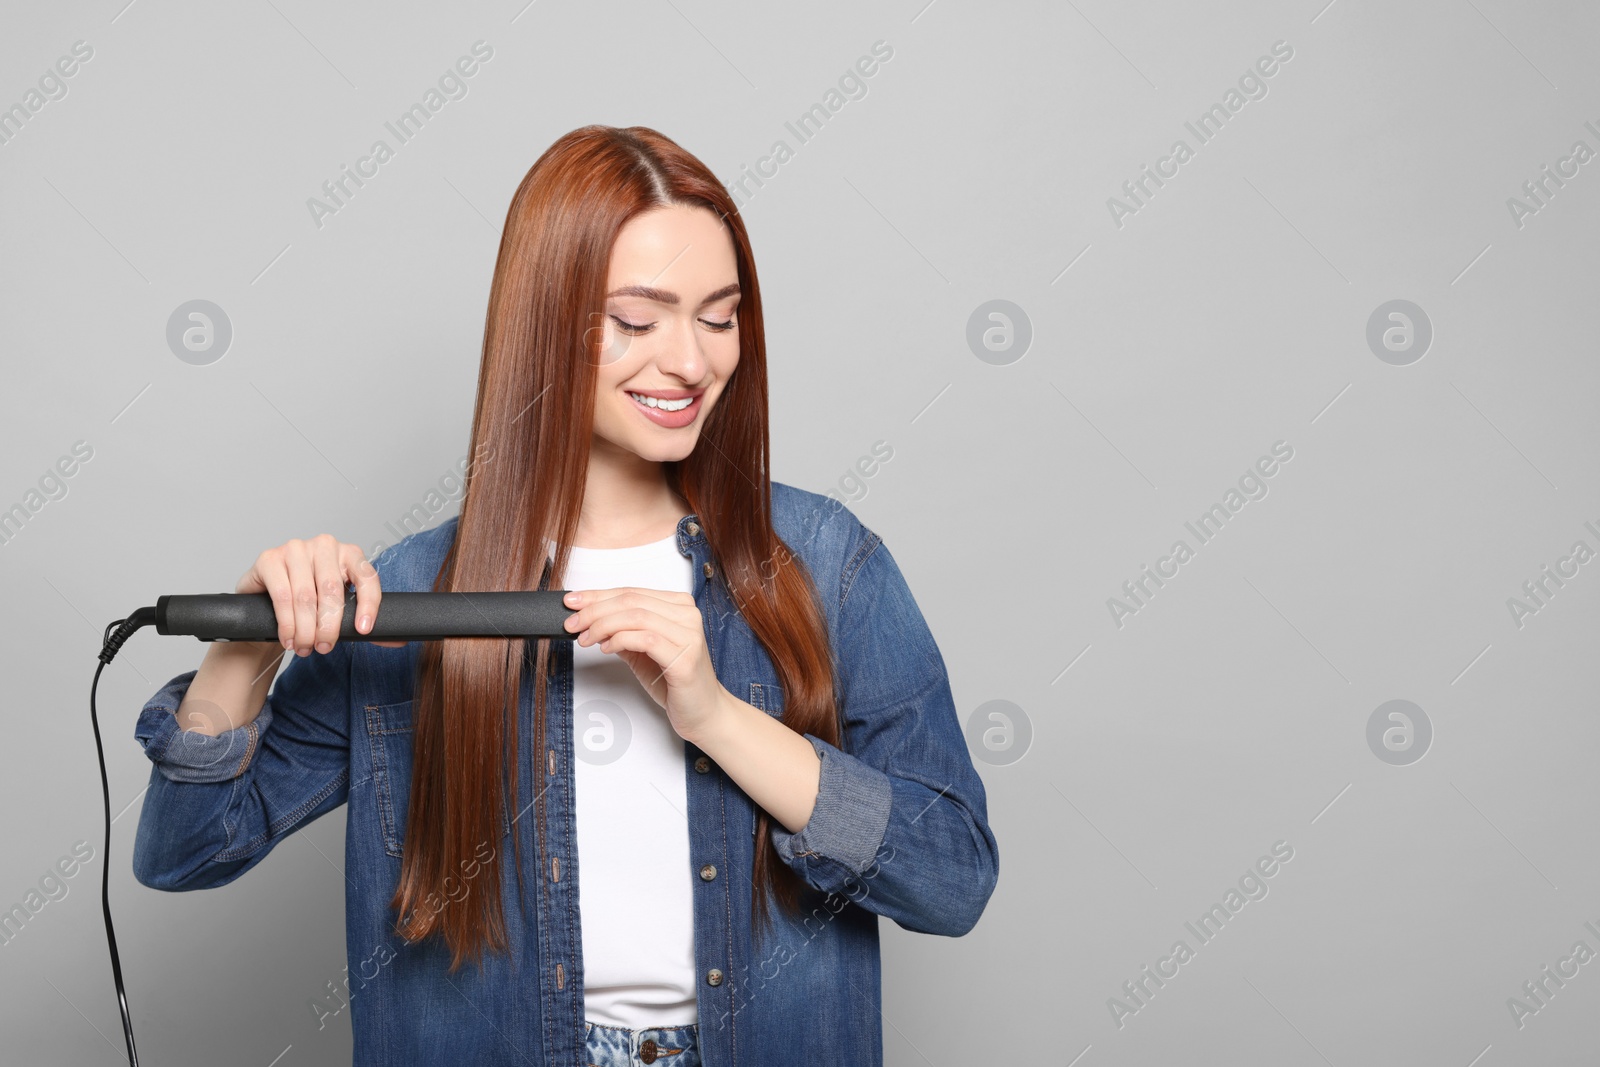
(691, 534)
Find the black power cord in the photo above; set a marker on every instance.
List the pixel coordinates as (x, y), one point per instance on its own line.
(117, 633)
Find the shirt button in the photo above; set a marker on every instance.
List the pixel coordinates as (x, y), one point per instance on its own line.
(714, 976)
(702, 764)
(693, 528)
(647, 1050)
(707, 873)
(707, 570)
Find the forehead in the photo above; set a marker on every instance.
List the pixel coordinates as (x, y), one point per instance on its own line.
(685, 249)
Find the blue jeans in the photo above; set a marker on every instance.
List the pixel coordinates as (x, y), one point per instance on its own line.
(616, 1046)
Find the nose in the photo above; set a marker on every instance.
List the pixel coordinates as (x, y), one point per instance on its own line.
(681, 355)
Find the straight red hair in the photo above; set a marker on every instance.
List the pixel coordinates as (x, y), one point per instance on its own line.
(534, 414)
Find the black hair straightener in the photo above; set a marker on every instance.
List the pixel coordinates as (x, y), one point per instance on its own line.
(251, 617)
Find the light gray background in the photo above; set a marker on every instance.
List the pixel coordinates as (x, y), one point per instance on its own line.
(1168, 354)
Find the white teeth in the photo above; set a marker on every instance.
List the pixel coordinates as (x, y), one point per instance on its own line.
(664, 405)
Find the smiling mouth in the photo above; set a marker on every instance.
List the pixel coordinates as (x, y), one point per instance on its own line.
(662, 405)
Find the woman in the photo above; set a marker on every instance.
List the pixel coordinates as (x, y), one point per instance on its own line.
(749, 751)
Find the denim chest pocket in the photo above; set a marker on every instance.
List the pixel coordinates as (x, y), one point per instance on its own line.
(389, 732)
(768, 697)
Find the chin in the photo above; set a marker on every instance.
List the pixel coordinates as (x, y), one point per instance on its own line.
(657, 450)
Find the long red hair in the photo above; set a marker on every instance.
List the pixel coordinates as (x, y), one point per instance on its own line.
(535, 414)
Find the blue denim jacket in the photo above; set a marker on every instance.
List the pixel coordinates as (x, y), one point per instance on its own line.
(899, 829)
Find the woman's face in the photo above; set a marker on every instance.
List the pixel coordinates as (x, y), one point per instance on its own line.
(669, 332)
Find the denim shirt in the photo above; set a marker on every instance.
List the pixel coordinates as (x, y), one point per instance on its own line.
(899, 828)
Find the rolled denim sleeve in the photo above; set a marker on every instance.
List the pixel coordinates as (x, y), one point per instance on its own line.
(188, 755)
(900, 822)
(847, 822)
(217, 806)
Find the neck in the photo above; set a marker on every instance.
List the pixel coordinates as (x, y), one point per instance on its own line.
(626, 500)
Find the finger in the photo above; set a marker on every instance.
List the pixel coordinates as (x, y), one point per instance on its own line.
(250, 581)
(330, 590)
(667, 666)
(622, 612)
(609, 623)
(593, 605)
(661, 651)
(369, 593)
(586, 602)
(360, 572)
(273, 574)
(303, 591)
(595, 596)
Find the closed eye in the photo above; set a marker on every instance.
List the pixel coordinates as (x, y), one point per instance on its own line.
(640, 328)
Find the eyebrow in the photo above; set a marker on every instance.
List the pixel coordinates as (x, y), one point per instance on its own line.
(667, 296)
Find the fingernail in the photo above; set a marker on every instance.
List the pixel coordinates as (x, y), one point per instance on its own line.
(572, 598)
(323, 646)
(288, 642)
(364, 623)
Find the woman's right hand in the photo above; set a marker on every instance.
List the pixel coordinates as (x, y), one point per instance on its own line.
(306, 581)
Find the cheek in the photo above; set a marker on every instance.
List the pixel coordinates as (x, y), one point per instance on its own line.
(610, 406)
(727, 359)
(614, 346)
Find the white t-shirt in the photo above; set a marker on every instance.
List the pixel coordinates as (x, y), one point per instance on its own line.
(634, 887)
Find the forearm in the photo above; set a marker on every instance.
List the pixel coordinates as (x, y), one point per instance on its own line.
(775, 766)
(230, 687)
(216, 807)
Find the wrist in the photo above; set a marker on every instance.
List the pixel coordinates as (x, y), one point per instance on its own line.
(709, 735)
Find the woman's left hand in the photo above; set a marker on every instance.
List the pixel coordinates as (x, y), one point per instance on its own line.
(660, 635)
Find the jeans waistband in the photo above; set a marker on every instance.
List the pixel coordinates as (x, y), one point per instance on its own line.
(618, 1046)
